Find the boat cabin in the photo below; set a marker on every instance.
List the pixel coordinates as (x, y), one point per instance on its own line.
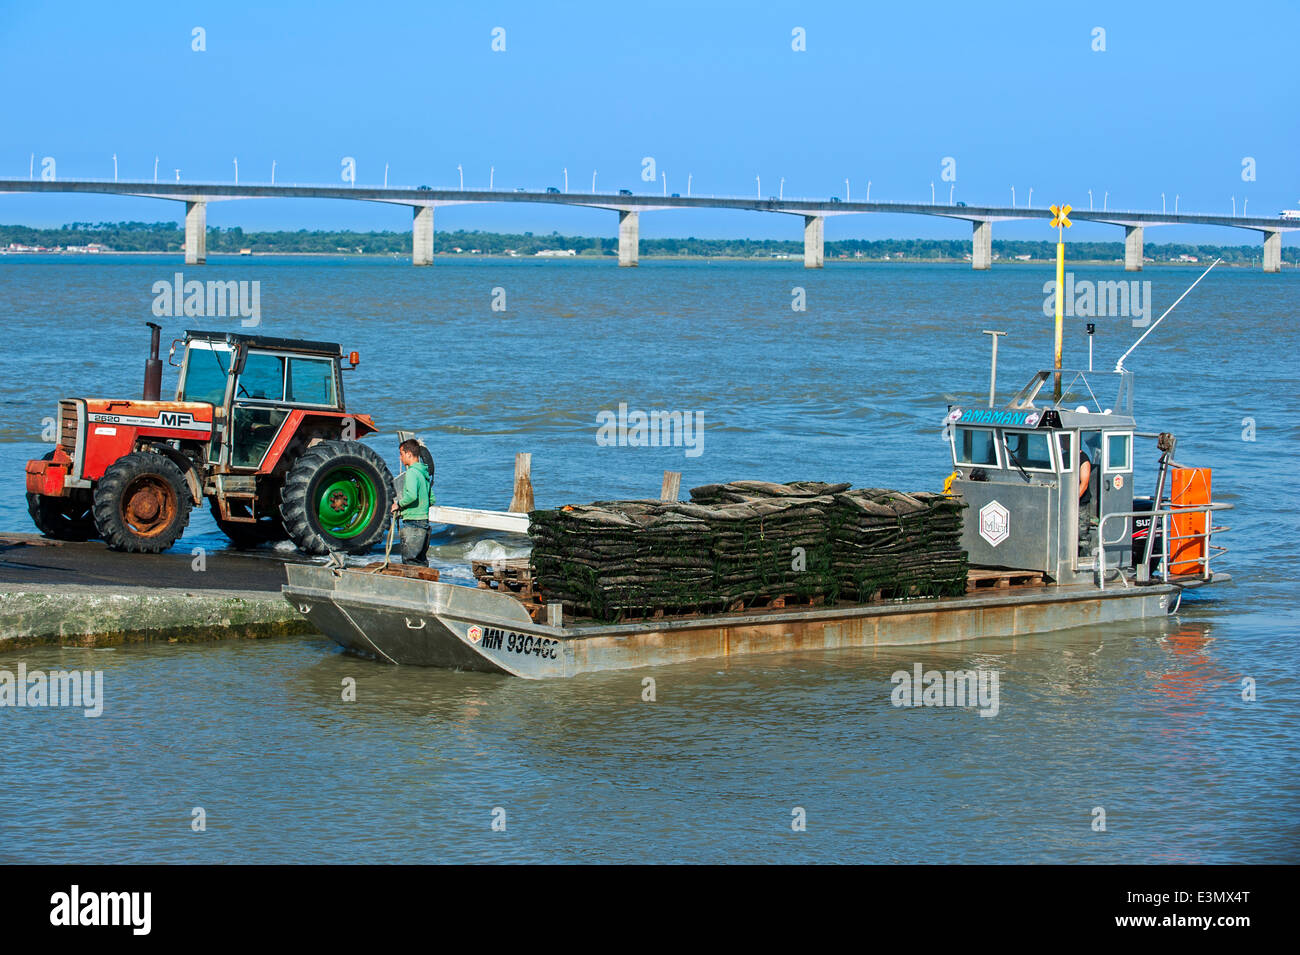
(1037, 474)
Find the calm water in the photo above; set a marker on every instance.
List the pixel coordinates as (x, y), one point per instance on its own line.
(1147, 723)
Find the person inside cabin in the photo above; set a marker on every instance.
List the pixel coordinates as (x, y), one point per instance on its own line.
(412, 504)
(1085, 500)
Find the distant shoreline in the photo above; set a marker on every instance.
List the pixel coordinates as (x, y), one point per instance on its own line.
(169, 238)
(773, 260)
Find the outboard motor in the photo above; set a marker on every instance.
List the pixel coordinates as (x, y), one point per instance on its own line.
(153, 367)
(1143, 526)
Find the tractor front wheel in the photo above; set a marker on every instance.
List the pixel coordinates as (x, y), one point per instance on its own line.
(142, 503)
(336, 498)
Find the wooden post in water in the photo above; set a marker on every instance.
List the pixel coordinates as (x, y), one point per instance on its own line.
(522, 502)
(672, 486)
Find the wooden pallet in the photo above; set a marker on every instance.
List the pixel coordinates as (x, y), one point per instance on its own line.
(514, 577)
(779, 602)
(979, 579)
(411, 571)
(660, 613)
(534, 606)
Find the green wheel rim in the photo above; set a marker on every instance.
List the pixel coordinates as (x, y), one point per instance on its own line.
(346, 502)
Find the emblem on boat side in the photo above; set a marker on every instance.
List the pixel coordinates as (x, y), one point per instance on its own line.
(475, 634)
(995, 523)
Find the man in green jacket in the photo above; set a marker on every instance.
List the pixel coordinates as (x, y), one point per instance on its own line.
(412, 505)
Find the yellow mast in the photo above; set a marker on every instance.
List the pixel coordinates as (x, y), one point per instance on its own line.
(1060, 222)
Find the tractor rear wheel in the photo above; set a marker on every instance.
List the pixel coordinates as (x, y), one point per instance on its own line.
(244, 535)
(142, 503)
(336, 498)
(62, 518)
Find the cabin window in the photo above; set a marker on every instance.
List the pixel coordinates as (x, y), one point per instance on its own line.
(1118, 457)
(205, 374)
(311, 381)
(975, 446)
(1064, 444)
(253, 428)
(262, 378)
(1030, 449)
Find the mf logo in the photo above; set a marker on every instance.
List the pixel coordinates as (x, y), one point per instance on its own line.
(174, 419)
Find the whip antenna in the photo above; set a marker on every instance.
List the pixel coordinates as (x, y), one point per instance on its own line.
(1119, 365)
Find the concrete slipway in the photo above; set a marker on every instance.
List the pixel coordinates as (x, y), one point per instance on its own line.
(73, 594)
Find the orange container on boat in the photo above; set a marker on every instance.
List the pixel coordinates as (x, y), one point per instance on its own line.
(1188, 486)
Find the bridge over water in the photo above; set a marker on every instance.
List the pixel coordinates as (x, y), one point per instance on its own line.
(197, 195)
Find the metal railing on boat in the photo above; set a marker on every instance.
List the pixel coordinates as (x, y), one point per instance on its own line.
(1165, 514)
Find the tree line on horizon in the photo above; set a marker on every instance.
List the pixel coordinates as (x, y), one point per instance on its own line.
(170, 237)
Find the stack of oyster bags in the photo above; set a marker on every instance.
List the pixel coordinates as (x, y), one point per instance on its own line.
(746, 542)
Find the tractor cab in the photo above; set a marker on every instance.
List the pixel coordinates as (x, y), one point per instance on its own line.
(254, 384)
(1038, 474)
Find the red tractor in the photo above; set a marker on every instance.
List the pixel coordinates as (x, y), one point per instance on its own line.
(258, 427)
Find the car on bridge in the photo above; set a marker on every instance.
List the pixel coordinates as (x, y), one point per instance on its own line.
(625, 192)
(552, 190)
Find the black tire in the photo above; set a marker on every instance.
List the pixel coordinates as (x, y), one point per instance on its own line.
(244, 536)
(62, 518)
(142, 503)
(360, 471)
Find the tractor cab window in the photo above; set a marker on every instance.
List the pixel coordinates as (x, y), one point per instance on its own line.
(262, 378)
(206, 369)
(254, 428)
(310, 381)
(975, 446)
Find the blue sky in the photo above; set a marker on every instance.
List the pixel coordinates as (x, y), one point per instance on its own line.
(1013, 92)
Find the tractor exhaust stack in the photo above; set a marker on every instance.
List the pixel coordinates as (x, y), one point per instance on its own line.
(153, 367)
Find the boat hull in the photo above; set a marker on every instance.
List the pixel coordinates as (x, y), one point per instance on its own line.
(425, 623)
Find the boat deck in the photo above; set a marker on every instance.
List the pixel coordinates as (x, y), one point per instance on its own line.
(430, 623)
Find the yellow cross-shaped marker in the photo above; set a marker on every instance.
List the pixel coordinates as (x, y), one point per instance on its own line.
(1059, 216)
